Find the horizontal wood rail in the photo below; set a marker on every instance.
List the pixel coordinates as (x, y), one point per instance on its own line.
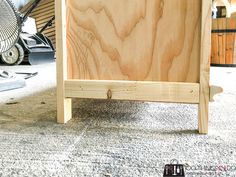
(176, 92)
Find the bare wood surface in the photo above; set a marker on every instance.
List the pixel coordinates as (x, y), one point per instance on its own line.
(234, 54)
(205, 66)
(222, 39)
(64, 105)
(229, 47)
(223, 44)
(215, 49)
(154, 40)
(176, 92)
(223, 23)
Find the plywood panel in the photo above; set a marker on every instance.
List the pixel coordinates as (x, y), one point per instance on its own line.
(154, 40)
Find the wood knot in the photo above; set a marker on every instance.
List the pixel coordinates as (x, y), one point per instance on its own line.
(109, 94)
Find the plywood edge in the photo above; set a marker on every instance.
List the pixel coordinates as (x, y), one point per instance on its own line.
(176, 92)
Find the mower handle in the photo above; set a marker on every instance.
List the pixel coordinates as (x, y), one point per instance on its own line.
(34, 5)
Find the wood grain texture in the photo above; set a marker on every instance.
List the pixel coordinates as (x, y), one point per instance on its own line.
(229, 47)
(234, 54)
(140, 40)
(223, 23)
(205, 67)
(64, 105)
(221, 47)
(126, 49)
(230, 42)
(175, 92)
(223, 44)
(214, 48)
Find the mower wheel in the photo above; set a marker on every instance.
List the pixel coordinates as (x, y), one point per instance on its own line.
(14, 56)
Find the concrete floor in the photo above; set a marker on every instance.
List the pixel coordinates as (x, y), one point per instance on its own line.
(113, 138)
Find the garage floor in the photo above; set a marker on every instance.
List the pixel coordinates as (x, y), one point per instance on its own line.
(113, 138)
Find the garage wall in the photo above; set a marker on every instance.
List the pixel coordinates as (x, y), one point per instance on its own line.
(20, 3)
(42, 14)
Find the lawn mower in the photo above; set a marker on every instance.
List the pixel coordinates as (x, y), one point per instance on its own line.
(10, 28)
(33, 48)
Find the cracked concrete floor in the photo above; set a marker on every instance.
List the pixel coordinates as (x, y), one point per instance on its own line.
(113, 138)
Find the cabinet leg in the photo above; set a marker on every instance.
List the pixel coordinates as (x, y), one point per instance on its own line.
(64, 110)
(203, 117)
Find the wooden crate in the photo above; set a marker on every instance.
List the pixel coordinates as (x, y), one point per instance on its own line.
(134, 50)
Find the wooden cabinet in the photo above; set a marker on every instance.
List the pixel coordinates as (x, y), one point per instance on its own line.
(134, 50)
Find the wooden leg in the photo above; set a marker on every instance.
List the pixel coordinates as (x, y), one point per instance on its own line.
(64, 105)
(203, 113)
(64, 110)
(204, 93)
